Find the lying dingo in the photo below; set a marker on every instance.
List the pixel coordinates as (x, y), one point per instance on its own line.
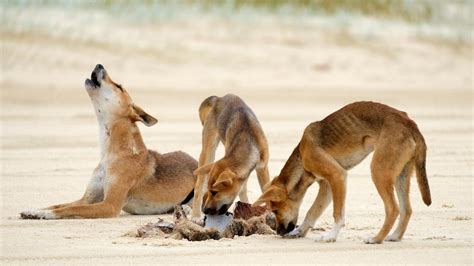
(334, 145)
(128, 176)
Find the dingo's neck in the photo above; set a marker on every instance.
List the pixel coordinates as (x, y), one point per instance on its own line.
(293, 175)
(119, 137)
(104, 134)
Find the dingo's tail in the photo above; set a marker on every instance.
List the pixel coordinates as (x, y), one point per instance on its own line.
(205, 107)
(420, 167)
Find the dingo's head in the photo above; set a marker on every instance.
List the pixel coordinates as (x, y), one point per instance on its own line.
(223, 187)
(285, 208)
(111, 101)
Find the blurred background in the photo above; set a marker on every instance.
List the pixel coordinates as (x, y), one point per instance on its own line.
(293, 62)
(233, 44)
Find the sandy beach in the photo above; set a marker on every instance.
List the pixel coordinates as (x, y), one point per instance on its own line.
(290, 73)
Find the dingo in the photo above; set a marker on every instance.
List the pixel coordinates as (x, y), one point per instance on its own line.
(231, 121)
(334, 145)
(128, 176)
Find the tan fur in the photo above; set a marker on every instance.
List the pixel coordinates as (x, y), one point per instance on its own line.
(229, 120)
(129, 177)
(334, 145)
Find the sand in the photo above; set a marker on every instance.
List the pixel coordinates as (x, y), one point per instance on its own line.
(289, 75)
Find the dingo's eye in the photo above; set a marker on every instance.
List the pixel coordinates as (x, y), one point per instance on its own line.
(275, 212)
(120, 87)
(213, 193)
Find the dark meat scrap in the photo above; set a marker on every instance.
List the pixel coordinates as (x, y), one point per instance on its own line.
(246, 211)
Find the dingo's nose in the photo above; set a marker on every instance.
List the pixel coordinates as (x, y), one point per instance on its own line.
(208, 211)
(98, 69)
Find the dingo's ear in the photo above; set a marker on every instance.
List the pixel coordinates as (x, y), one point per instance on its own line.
(272, 194)
(142, 116)
(225, 179)
(203, 170)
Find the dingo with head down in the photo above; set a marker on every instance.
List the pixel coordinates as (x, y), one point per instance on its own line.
(334, 145)
(129, 177)
(229, 120)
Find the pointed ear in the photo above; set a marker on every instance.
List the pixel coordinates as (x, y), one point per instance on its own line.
(203, 170)
(142, 116)
(272, 194)
(225, 179)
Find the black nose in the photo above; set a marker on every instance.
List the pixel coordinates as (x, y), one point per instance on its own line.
(291, 226)
(99, 66)
(223, 209)
(209, 211)
(281, 230)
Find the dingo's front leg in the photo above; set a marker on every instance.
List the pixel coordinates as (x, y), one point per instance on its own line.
(115, 197)
(263, 176)
(93, 194)
(210, 140)
(319, 205)
(321, 164)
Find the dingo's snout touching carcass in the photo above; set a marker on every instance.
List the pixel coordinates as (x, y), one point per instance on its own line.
(229, 120)
(332, 146)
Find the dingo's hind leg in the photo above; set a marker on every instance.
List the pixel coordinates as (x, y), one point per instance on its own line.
(402, 186)
(393, 152)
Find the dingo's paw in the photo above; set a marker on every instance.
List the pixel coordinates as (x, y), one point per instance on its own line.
(186, 209)
(296, 233)
(198, 220)
(372, 240)
(37, 214)
(327, 238)
(393, 238)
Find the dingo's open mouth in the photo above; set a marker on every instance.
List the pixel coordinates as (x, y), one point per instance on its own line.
(93, 82)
